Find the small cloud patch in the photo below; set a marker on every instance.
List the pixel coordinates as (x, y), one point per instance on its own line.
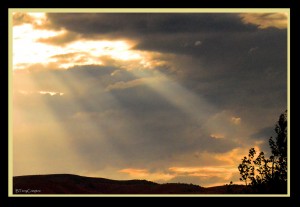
(51, 93)
(198, 43)
(235, 120)
(252, 50)
(217, 136)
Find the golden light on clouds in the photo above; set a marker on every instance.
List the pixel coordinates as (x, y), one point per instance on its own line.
(265, 20)
(38, 17)
(232, 157)
(26, 50)
(145, 174)
(135, 172)
(36, 45)
(236, 120)
(217, 136)
(204, 171)
(51, 93)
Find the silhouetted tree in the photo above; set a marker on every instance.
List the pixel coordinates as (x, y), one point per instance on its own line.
(279, 150)
(246, 168)
(268, 175)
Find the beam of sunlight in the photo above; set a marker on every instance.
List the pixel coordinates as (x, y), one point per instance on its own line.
(40, 145)
(60, 130)
(88, 112)
(195, 106)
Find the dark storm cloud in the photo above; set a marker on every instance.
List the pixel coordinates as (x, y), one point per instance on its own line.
(264, 133)
(223, 37)
(147, 23)
(142, 27)
(225, 71)
(217, 47)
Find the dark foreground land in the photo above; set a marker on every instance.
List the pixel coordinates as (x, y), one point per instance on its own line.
(74, 184)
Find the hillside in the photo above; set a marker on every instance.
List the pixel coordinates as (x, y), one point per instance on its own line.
(74, 184)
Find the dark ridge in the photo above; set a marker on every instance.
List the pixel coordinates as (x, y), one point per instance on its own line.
(74, 184)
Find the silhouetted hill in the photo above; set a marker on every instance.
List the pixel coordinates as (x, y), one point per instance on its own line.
(74, 184)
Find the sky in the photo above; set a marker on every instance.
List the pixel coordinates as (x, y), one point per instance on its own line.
(166, 97)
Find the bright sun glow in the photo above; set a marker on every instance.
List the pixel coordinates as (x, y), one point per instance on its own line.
(29, 50)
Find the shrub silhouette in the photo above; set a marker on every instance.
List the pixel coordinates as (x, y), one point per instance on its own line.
(268, 175)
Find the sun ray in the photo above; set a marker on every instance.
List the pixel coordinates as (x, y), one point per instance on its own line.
(41, 141)
(195, 106)
(89, 112)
